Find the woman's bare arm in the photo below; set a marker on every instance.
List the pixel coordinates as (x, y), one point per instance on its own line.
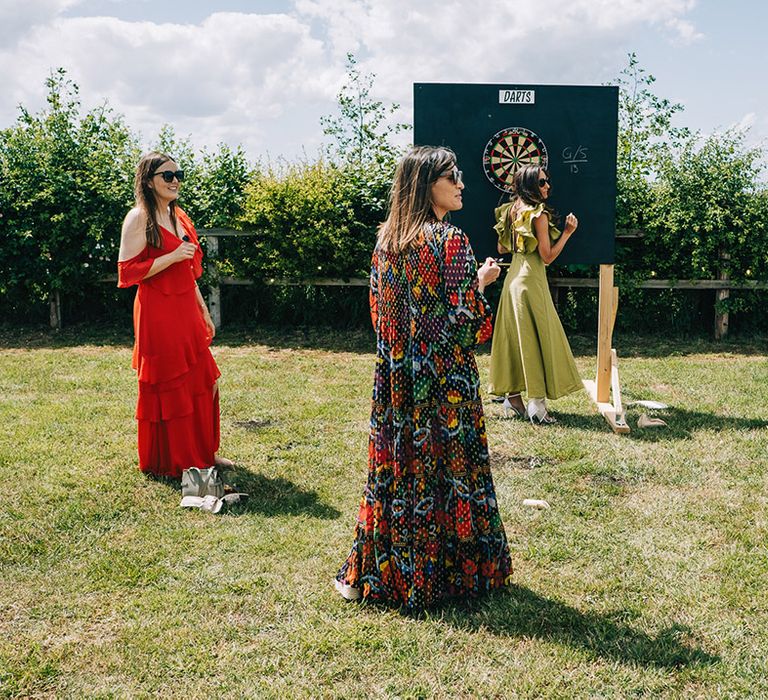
(547, 251)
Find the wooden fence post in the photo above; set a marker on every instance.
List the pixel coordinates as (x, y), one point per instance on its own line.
(721, 295)
(55, 310)
(555, 294)
(214, 293)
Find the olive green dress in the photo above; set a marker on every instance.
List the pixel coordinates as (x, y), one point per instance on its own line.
(530, 351)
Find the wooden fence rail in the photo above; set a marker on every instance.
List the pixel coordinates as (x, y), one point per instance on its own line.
(566, 282)
(722, 286)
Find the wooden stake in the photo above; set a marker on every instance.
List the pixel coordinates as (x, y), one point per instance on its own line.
(607, 380)
(606, 314)
(55, 310)
(616, 386)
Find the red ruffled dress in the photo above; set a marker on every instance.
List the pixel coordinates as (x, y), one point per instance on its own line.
(177, 410)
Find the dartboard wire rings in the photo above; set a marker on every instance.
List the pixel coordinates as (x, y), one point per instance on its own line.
(509, 150)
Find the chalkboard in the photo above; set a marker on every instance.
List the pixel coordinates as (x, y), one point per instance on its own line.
(494, 127)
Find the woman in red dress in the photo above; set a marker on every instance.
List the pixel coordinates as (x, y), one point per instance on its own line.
(178, 404)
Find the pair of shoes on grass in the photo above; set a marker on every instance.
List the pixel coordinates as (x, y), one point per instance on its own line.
(535, 411)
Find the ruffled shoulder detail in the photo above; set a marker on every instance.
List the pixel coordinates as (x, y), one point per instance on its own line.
(183, 218)
(523, 227)
(503, 228)
(133, 271)
(186, 223)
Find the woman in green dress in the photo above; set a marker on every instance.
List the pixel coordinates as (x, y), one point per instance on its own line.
(530, 351)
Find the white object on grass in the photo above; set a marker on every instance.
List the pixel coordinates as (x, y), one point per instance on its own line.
(346, 591)
(645, 422)
(653, 405)
(536, 503)
(208, 503)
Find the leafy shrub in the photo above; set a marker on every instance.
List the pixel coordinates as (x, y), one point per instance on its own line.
(311, 220)
(67, 182)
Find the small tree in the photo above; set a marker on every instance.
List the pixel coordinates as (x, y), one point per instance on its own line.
(183, 152)
(217, 195)
(214, 182)
(363, 150)
(361, 133)
(67, 182)
(309, 223)
(646, 139)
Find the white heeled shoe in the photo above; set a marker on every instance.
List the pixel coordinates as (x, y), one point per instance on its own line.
(537, 412)
(509, 408)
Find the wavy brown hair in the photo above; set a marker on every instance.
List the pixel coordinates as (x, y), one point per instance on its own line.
(410, 203)
(145, 195)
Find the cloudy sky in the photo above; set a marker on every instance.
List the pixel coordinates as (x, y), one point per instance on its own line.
(261, 72)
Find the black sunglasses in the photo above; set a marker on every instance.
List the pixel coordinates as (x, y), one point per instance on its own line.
(456, 176)
(544, 181)
(168, 175)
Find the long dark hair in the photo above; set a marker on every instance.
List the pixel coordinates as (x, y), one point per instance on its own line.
(145, 195)
(527, 190)
(410, 204)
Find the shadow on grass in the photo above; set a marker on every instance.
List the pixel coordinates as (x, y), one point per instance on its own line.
(521, 612)
(355, 340)
(660, 347)
(37, 337)
(361, 340)
(276, 496)
(266, 495)
(681, 424)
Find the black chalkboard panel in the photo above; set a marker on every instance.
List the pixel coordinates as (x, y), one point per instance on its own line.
(574, 128)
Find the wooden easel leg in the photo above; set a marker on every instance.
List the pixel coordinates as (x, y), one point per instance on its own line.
(607, 379)
(605, 318)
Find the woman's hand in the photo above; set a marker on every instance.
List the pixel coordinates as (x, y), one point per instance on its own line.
(209, 324)
(571, 224)
(487, 273)
(204, 312)
(186, 251)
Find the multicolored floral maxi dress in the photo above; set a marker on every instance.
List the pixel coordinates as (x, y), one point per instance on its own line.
(428, 527)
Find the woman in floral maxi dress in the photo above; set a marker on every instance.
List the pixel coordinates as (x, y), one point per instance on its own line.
(428, 526)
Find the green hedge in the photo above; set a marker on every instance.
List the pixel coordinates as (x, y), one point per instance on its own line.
(312, 220)
(66, 181)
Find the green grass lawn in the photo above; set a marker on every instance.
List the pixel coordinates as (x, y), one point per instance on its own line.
(648, 576)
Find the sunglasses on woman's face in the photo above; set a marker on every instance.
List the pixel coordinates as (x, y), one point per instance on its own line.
(168, 175)
(544, 181)
(456, 176)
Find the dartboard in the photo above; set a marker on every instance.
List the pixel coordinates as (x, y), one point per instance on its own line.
(508, 151)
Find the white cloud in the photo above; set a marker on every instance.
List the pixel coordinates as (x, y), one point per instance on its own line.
(496, 40)
(264, 79)
(748, 121)
(17, 18)
(218, 79)
(685, 31)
